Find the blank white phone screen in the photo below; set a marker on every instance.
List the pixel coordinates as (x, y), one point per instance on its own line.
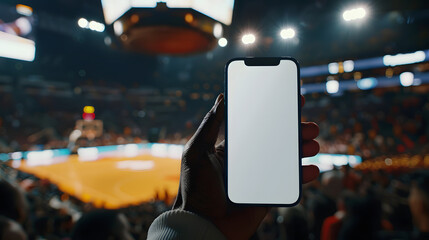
(263, 133)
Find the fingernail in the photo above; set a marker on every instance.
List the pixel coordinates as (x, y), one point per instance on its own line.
(219, 98)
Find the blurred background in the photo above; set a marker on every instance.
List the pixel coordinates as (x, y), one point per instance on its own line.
(98, 97)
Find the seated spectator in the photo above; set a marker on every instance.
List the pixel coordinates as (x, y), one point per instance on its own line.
(11, 230)
(332, 225)
(323, 204)
(102, 225)
(362, 219)
(419, 205)
(12, 202)
(295, 223)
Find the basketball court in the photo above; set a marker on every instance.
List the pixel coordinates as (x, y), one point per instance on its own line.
(113, 182)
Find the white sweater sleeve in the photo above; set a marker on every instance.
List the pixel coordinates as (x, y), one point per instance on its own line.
(180, 224)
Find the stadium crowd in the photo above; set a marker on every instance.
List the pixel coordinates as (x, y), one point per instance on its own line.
(370, 124)
(345, 203)
(342, 204)
(384, 122)
(45, 212)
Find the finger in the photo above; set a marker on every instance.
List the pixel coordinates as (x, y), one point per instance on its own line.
(310, 148)
(221, 146)
(309, 173)
(206, 135)
(310, 130)
(220, 152)
(302, 101)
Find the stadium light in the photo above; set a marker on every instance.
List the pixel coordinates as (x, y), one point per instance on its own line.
(349, 66)
(248, 39)
(354, 14)
(118, 28)
(24, 10)
(96, 26)
(223, 42)
(82, 22)
(332, 86)
(402, 59)
(24, 25)
(367, 83)
(406, 79)
(16, 47)
(218, 30)
(333, 68)
(92, 25)
(287, 33)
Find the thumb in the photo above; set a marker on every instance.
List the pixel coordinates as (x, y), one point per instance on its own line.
(206, 135)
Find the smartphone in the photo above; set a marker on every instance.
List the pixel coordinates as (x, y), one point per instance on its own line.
(262, 131)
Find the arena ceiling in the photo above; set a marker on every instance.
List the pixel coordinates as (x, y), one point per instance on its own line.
(393, 26)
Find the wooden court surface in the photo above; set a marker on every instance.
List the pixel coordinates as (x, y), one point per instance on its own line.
(111, 182)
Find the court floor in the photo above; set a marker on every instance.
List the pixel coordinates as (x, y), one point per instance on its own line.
(113, 182)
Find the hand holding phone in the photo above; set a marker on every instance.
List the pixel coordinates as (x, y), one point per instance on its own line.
(202, 185)
(263, 142)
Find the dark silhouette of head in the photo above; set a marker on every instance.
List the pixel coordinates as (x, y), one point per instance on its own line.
(419, 201)
(12, 202)
(102, 225)
(11, 230)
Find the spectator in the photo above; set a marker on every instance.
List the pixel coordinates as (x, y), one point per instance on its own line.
(294, 223)
(323, 204)
(419, 205)
(11, 230)
(102, 225)
(332, 225)
(363, 219)
(12, 202)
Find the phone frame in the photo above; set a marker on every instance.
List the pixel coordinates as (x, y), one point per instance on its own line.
(263, 61)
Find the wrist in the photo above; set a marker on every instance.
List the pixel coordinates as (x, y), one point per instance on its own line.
(184, 225)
